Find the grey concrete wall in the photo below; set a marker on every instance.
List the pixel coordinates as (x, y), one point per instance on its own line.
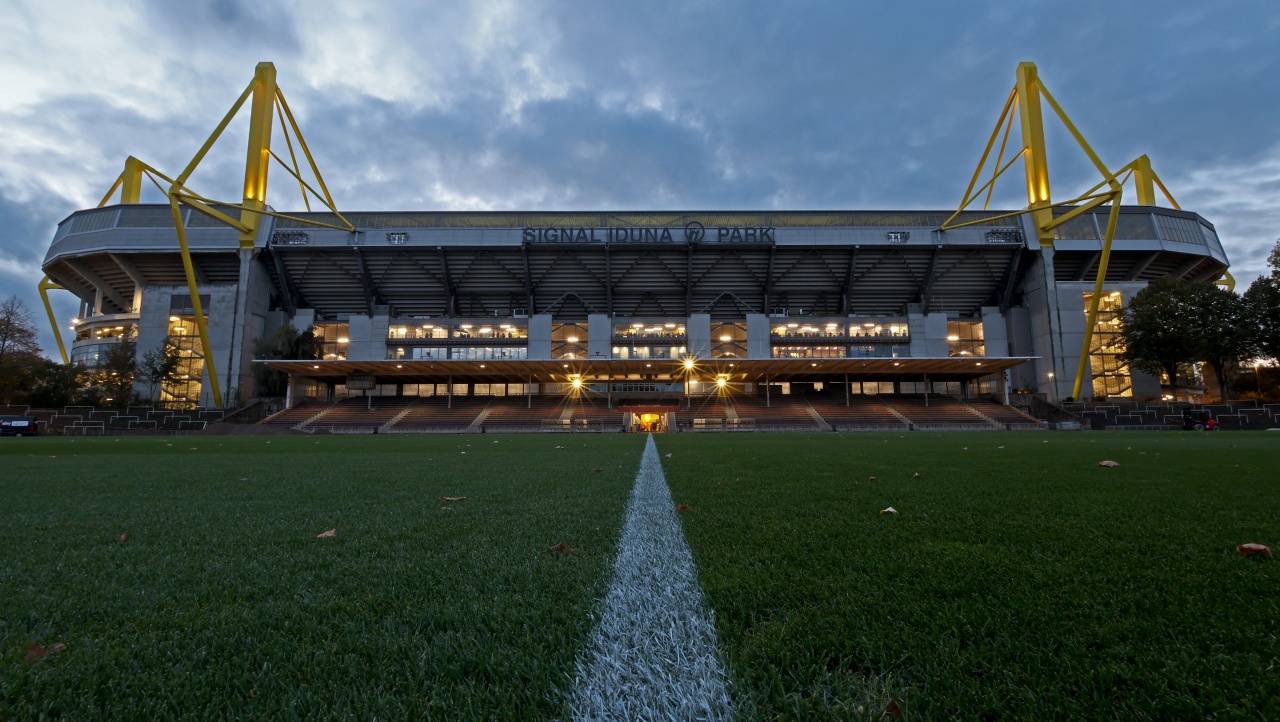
(928, 333)
(599, 336)
(304, 318)
(698, 331)
(153, 327)
(359, 333)
(995, 332)
(758, 336)
(540, 337)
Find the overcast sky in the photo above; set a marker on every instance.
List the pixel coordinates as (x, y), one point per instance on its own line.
(533, 105)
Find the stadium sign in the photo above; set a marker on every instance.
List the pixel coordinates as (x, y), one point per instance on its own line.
(694, 232)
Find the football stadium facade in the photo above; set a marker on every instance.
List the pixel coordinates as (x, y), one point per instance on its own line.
(631, 309)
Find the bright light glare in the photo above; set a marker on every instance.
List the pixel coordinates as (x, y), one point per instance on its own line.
(577, 383)
(720, 382)
(688, 363)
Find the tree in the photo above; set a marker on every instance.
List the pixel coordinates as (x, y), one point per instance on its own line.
(19, 350)
(1156, 331)
(1223, 332)
(158, 366)
(54, 385)
(114, 378)
(285, 343)
(1263, 303)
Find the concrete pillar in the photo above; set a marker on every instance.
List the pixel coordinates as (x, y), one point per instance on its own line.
(599, 336)
(758, 336)
(698, 333)
(540, 337)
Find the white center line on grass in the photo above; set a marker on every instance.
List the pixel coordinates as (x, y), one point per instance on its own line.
(654, 653)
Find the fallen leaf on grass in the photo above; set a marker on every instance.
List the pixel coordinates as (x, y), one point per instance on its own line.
(1250, 549)
(874, 478)
(561, 548)
(453, 498)
(1108, 463)
(35, 652)
(895, 709)
(722, 483)
(124, 537)
(915, 475)
(328, 534)
(667, 455)
(559, 447)
(446, 508)
(890, 510)
(683, 508)
(597, 469)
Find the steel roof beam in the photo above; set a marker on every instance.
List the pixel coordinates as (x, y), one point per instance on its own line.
(95, 281)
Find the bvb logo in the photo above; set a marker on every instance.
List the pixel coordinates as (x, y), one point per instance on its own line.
(694, 232)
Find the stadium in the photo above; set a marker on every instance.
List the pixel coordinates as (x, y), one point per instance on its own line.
(654, 320)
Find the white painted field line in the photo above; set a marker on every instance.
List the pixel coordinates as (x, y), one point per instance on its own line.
(654, 654)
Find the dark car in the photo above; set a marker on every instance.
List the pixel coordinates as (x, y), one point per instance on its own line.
(18, 426)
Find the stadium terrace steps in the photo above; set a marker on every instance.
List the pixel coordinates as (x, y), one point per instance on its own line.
(702, 411)
(437, 414)
(782, 412)
(299, 414)
(859, 413)
(359, 415)
(937, 412)
(1006, 416)
(521, 413)
(1132, 415)
(592, 413)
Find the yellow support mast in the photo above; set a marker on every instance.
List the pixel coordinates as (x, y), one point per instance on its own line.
(45, 285)
(268, 100)
(245, 217)
(1025, 100)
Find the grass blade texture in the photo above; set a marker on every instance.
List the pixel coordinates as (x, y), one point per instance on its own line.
(1018, 581)
(222, 603)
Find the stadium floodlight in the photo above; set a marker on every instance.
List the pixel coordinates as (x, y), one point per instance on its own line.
(577, 382)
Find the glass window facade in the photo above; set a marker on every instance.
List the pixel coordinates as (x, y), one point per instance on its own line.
(183, 390)
(1111, 375)
(332, 338)
(728, 339)
(964, 338)
(569, 340)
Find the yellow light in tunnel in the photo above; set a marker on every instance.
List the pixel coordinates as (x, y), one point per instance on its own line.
(726, 338)
(572, 339)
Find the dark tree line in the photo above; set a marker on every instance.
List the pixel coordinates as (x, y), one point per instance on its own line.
(28, 378)
(1171, 323)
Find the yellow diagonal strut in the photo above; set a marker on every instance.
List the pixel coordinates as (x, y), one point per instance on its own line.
(1025, 100)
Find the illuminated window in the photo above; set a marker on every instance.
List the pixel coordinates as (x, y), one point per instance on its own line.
(562, 346)
(332, 338)
(728, 340)
(964, 338)
(182, 389)
(1111, 376)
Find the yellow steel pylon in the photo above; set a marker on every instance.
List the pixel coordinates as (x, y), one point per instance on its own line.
(268, 101)
(1024, 100)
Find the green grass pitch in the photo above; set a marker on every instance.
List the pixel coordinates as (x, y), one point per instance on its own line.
(1018, 580)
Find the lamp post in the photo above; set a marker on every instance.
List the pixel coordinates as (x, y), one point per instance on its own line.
(1053, 389)
(1256, 377)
